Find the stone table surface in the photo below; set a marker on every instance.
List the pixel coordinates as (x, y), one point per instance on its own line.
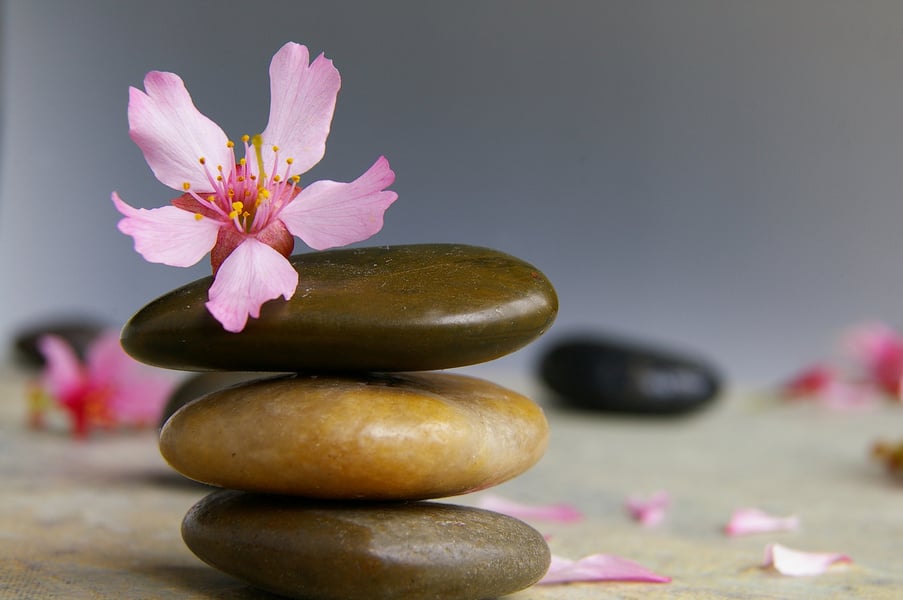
(100, 518)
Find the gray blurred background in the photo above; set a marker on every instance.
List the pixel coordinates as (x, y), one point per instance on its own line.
(723, 176)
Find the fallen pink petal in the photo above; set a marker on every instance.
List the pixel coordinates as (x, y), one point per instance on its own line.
(598, 567)
(109, 389)
(796, 563)
(879, 350)
(851, 396)
(747, 521)
(826, 385)
(648, 511)
(560, 513)
(811, 381)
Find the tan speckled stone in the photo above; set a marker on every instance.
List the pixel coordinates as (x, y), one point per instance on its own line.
(406, 436)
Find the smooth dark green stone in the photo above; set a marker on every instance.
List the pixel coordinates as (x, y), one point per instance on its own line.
(398, 308)
(334, 551)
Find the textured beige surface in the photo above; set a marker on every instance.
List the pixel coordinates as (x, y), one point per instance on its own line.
(100, 519)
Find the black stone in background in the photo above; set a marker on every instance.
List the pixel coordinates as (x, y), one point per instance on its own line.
(613, 375)
(79, 331)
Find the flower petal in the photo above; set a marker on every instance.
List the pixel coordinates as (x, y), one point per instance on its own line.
(173, 134)
(599, 567)
(140, 400)
(560, 513)
(327, 214)
(167, 235)
(879, 349)
(649, 511)
(811, 381)
(850, 396)
(745, 521)
(796, 563)
(106, 360)
(137, 393)
(828, 386)
(63, 374)
(253, 274)
(302, 102)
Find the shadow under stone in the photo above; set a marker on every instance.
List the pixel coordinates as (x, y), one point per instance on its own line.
(204, 581)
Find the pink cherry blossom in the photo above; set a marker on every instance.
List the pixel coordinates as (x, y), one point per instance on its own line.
(245, 211)
(879, 349)
(745, 521)
(560, 513)
(787, 561)
(107, 390)
(830, 387)
(648, 511)
(811, 381)
(598, 567)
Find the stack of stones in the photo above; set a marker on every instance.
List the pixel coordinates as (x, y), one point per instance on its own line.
(327, 469)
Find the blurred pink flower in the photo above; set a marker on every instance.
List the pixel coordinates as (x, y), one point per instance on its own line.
(110, 389)
(246, 211)
(878, 348)
(832, 390)
(811, 381)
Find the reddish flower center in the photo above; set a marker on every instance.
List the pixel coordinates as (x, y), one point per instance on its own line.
(249, 200)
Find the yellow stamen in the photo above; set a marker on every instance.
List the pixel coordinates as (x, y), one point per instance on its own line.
(258, 145)
(211, 199)
(198, 216)
(245, 138)
(233, 214)
(230, 144)
(202, 160)
(276, 178)
(289, 160)
(296, 178)
(275, 148)
(186, 186)
(237, 205)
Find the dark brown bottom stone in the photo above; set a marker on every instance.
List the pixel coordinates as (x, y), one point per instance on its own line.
(316, 550)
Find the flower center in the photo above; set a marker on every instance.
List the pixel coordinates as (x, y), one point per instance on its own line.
(247, 199)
